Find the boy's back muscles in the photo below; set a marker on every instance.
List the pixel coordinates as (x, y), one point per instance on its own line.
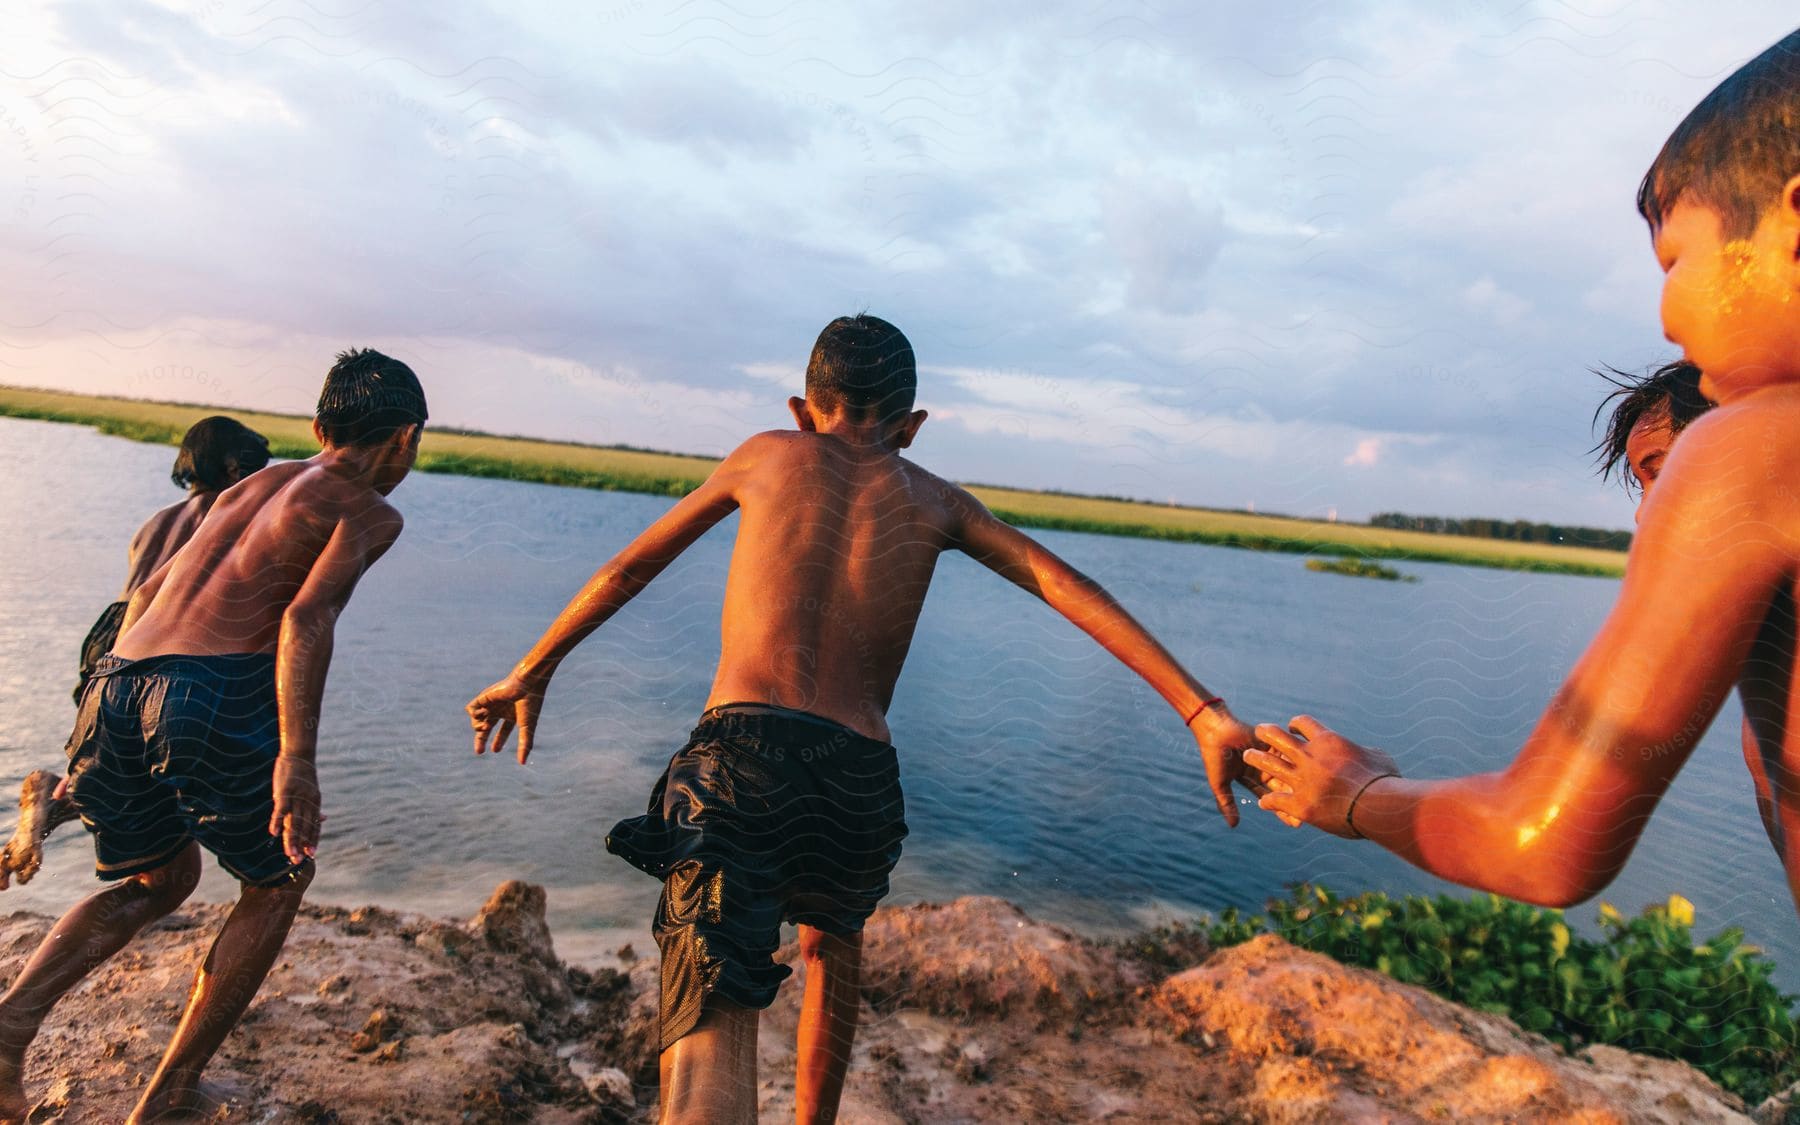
(265, 542)
(835, 551)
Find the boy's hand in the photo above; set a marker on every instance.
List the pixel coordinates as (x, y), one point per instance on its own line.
(1223, 740)
(296, 818)
(495, 712)
(1313, 773)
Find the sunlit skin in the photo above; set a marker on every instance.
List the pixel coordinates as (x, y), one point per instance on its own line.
(837, 539)
(1707, 604)
(165, 533)
(270, 569)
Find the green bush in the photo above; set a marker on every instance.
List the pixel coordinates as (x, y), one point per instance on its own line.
(1644, 985)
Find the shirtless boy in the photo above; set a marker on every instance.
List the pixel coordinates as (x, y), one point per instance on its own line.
(199, 729)
(1708, 597)
(785, 804)
(215, 454)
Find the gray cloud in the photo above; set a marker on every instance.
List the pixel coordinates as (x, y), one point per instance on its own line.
(1383, 239)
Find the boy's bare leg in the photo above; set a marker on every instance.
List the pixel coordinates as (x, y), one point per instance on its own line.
(235, 966)
(95, 929)
(709, 1074)
(827, 1022)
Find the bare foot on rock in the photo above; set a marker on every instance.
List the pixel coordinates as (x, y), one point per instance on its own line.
(40, 810)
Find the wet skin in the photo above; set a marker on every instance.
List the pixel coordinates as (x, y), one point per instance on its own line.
(162, 535)
(269, 569)
(837, 540)
(1707, 604)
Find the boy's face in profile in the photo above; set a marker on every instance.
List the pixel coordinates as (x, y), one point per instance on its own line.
(1729, 304)
(1646, 447)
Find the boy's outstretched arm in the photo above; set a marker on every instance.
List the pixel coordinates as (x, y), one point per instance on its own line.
(516, 700)
(1023, 561)
(302, 658)
(1558, 824)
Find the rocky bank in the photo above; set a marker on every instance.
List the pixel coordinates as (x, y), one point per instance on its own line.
(973, 1012)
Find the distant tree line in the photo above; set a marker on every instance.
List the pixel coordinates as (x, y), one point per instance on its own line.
(1519, 531)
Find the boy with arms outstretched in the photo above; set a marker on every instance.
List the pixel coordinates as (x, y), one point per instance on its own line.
(199, 729)
(785, 804)
(1709, 596)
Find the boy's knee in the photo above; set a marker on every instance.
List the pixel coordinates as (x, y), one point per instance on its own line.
(293, 884)
(171, 884)
(819, 947)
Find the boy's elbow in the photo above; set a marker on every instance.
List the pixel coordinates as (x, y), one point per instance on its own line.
(1558, 877)
(308, 619)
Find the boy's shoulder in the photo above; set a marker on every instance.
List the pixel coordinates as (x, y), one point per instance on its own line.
(1737, 467)
(306, 489)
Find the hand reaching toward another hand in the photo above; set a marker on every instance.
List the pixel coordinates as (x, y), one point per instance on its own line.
(1313, 774)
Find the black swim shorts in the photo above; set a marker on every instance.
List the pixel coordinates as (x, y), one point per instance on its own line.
(99, 642)
(765, 816)
(177, 748)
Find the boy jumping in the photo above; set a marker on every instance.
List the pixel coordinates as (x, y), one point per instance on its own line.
(785, 803)
(215, 454)
(1709, 596)
(199, 729)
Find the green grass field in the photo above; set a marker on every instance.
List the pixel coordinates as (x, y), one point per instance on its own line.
(671, 474)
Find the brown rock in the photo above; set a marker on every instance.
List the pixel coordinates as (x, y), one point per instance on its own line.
(985, 956)
(1347, 1041)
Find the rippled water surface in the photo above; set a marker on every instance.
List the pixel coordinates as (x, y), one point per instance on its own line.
(1035, 766)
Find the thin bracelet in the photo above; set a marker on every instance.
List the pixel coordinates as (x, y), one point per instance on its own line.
(1204, 704)
(1350, 814)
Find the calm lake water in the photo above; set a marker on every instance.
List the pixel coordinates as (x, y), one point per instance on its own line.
(1035, 766)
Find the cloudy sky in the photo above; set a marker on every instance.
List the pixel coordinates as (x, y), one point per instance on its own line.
(1348, 256)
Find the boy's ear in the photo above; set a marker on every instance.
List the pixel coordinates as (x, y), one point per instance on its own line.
(318, 433)
(910, 428)
(803, 416)
(1790, 211)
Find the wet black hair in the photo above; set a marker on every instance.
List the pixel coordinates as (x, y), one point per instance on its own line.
(1736, 149)
(863, 364)
(213, 449)
(367, 397)
(1670, 392)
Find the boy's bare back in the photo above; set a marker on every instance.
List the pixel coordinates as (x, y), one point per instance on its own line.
(836, 546)
(227, 589)
(161, 536)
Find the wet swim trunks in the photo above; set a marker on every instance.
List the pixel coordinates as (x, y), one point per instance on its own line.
(170, 749)
(765, 816)
(99, 642)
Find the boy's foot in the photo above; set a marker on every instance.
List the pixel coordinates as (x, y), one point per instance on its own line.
(179, 1105)
(39, 812)
(14, 1039)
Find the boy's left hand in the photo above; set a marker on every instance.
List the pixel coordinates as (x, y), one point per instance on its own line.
(296, 817)
(495, 712)
(1223, 740)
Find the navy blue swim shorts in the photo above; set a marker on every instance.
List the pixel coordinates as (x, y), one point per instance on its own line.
(765, 816)
(170, 749)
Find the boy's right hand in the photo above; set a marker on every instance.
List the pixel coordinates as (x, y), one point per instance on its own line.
(1222, 740)
(495, 712)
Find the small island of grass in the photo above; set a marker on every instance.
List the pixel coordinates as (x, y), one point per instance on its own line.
(1359, 568)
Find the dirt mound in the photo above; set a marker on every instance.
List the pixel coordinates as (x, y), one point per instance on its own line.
(974, 1012)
